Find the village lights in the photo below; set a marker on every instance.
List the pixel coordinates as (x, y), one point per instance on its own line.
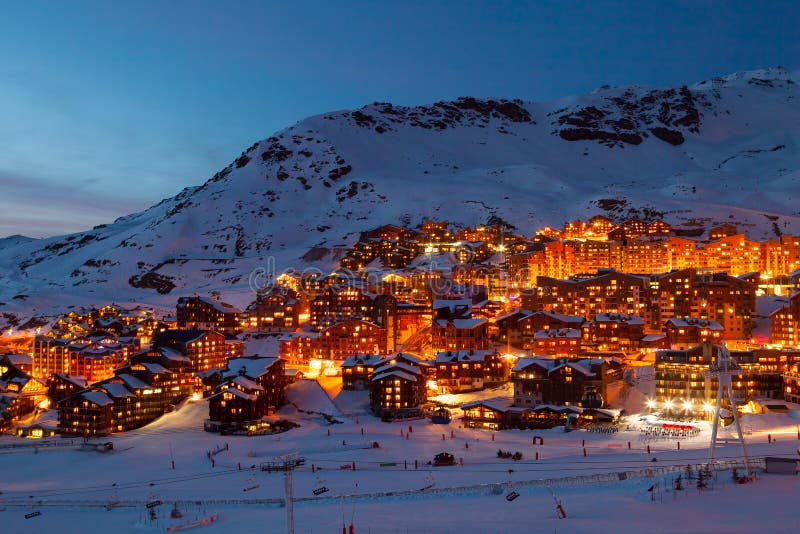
(687, 405)
(707, 407)
(651, 403)
(668, 404)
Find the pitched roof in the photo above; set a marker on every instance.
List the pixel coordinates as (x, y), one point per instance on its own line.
(463, 356)
(116, 390)
(558, 333)
(179, 336)
(236, 392)
(252, 366)
(133, 382)
(97, 397)
(527, 361)
(402, 366)
(501, 404)
(396, 372)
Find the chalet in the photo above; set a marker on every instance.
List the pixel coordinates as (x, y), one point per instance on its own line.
(86, 414)
(614, 331)
(356, 370)
(337, 342)
(722, 231)
(538, 321)
(21, 394)
(208, 314)
(61, 386)
(507, 327)
(205, 349)
(22, 362)
(278, 309)
(45, 425)
(564, 381)
(397, 391)
(238, 403)
(563, 341)
(136, 403)
(178, 364)
(93, 356)
(606, 292)
(268, 372)
(541, 416)
(685, 332)
(488, 414)
(468, 370)
(175, 386)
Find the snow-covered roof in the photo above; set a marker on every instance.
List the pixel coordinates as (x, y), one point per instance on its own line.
(463, 356)
(133, 382)
(653, 337)
(560, 317)
(19, 359)
(451, 305)
(362, 359)
(690, 322)
(246, 383)
(236, 392)
(171, 354)
(79, 381)
(572, 333)
(397, 365)
(97, 397)
(223, 307)
(526, 361)
(468, 324)
(407, 357)
(395, 372)
(618, 318)
(252, 366)
(155, 368)
(117, 390)
(501, 404)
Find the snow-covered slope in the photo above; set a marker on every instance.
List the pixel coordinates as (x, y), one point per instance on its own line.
(725, 149)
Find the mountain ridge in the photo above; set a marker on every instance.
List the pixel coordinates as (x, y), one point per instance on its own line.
(722, 149)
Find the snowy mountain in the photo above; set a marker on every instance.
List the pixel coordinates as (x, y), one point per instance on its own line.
(726, 149)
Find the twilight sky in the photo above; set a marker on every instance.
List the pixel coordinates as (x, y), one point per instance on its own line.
(108, 107)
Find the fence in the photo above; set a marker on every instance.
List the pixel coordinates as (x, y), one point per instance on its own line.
(487, 489)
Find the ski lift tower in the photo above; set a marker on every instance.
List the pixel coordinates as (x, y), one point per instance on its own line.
(722, 368)
(286, 463)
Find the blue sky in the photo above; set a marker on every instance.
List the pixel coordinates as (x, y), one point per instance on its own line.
(108, 107)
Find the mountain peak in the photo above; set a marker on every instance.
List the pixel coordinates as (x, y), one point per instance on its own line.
(716, 151)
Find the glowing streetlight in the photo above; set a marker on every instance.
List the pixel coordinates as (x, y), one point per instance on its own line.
(668, 404)
(651, 404)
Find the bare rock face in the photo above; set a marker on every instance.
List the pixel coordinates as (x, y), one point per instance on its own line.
(629, 118)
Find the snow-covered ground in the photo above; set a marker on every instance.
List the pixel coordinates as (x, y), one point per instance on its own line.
(461, 499)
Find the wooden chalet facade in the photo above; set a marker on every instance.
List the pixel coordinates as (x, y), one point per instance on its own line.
(397, 391)
(205, 349)
(337, 342)
(274, 311)
(614, 331)
(61, 386)
(206, 313)
(685, 332)
(469, 370)
(564, 381)
(560, 342)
